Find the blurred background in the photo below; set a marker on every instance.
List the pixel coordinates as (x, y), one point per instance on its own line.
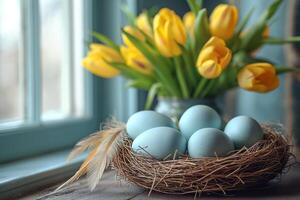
(43, 87)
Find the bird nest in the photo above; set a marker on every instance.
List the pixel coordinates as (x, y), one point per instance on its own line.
(244, 168)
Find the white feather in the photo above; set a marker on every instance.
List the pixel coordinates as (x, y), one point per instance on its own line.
(103, 158)
(103, 146)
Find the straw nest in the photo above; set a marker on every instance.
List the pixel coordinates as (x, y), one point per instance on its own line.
(241, 169)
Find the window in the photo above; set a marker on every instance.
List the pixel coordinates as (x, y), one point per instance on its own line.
(47, 100)
(10, 57)
(44, 79)
(61, 44)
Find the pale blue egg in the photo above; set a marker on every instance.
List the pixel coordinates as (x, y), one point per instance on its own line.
(144, 120)
(243, 131)
(197, 117)
(209, 142)
(160, 143)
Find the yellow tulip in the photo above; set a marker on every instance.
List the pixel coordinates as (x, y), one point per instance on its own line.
(136, 60)
(189, 22)
(168, 32)
(223, 21)
(135, 33)
(213, 58)
(142, 22)
(98, 58)
(258, 77)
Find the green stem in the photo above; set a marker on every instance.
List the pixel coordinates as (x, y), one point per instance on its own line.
(151, 95)
(282, 70)
(200, 87)
(168, 83)
(180, 77)
(282, 40)
(208, 88)
(190, 72)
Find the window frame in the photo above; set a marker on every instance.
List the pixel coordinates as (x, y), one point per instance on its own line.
(39, 137)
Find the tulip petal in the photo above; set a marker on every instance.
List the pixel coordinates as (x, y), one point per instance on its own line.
(136, 60)
(223, 21)
(99, 68)
(214, 55)
(258, 77)
(143, 24)
(189, 22)
(168, 33)
(97, 58)
(210, 69)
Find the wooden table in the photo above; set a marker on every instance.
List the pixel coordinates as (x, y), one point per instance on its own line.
(111, 189)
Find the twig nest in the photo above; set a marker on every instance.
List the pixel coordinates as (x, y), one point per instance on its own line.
(243, 168)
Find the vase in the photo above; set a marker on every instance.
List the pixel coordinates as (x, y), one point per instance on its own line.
(174, 108)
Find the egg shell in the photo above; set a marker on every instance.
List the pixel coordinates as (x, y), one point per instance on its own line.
(198, 117)
(209, 142)
(160, 142)
(243, 131)
(144, 120)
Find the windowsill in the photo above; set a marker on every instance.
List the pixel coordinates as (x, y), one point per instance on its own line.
(25, 175)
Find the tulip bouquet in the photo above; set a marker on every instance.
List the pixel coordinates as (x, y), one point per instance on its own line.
(197, 56)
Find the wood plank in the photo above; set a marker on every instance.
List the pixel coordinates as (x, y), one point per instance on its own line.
(108, 189)
(111, 189)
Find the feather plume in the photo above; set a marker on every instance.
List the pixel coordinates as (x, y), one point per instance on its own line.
(103, 146)
(87, 143)
(102, 159)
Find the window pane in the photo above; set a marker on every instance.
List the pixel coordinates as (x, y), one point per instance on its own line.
(61, 51)
(52, 48)
(78, 51)
(11, 85)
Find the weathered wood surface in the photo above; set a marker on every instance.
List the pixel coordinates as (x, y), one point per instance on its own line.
(111, 189)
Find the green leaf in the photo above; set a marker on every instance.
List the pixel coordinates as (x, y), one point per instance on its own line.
(151, 12)
(275, 41)
(151, 95)
(131, 73)
(140, 84)
(202, 33)
(253, 38)
(269, 13)
(128, 14)
(105, 40)
(200, 3)
(244, 22)
(193, 6)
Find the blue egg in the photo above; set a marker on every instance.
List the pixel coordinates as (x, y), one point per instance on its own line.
(243, 131)
(144, 120)
(198, 117)
(209, 142)
(160, 143)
